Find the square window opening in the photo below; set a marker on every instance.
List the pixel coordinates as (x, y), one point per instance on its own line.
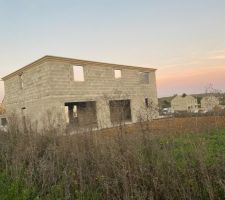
(78, 73)
(117, 73)
(144, 77)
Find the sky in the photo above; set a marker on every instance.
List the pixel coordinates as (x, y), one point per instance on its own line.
(183, 39)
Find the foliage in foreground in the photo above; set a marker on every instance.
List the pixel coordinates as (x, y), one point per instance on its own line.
(123, 166)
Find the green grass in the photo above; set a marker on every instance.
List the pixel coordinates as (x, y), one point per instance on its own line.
(188, 166)
(14, 189)
(211, 146)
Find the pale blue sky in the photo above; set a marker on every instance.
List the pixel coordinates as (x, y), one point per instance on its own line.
(184, 39)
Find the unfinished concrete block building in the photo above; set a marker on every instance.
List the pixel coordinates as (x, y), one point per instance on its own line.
(79, 93)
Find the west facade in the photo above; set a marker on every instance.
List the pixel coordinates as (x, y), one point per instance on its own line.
(75, 92)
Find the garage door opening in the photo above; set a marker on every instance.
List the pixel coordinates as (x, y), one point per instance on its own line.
(120, 111)
(81, 114)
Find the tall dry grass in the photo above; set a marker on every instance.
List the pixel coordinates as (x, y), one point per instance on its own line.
(94, 165)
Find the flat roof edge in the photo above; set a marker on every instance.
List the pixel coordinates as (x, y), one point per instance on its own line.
(69, 60)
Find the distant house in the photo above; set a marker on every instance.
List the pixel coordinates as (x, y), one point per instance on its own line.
(208, 103)
(184, 103)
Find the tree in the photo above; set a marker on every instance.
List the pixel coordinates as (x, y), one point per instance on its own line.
(166, 104)
(184, 95)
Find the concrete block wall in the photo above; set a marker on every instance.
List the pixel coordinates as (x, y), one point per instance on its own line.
(35, 85)
(49, 85)
(99, 80)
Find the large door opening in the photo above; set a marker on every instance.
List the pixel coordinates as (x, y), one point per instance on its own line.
(81, 114)
(120, 111)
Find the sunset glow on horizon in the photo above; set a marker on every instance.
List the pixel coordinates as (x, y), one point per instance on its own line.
(184, 41)
(194, 76)
(191, 82)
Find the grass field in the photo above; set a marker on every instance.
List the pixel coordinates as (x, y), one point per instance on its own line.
(176, 158)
